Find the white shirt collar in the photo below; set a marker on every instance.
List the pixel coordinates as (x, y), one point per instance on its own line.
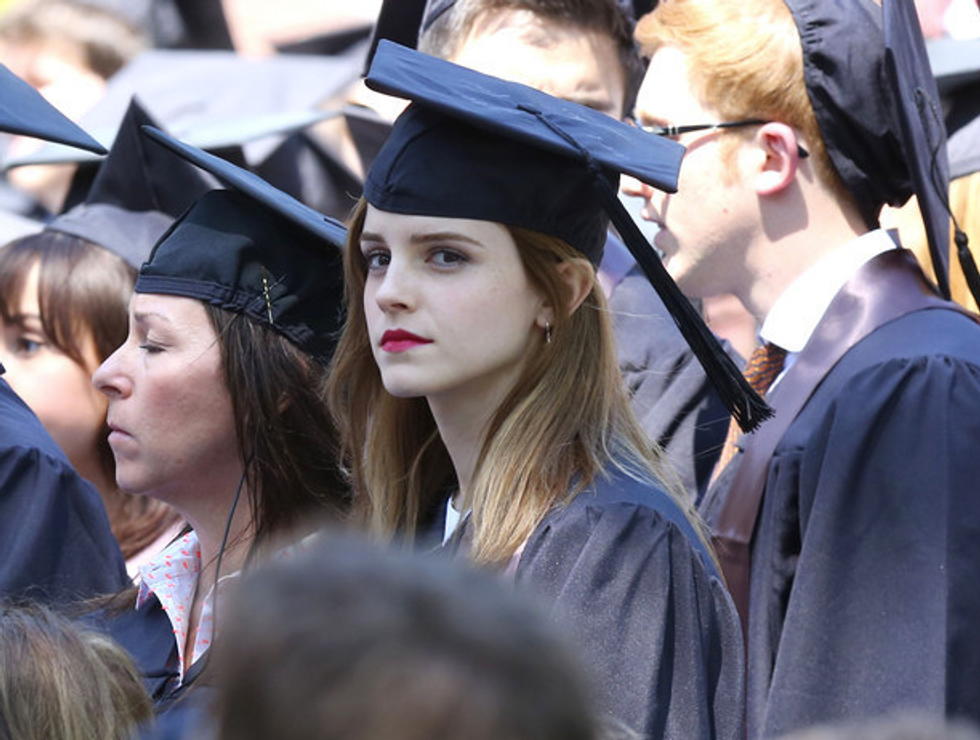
(795, 314)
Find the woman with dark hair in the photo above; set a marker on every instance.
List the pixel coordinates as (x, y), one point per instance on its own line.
(63, 308)
(476, 382)
(64, 297)
(216, 405)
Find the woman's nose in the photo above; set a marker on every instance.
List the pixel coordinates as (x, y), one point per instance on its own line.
(108, 377)
(395, 289)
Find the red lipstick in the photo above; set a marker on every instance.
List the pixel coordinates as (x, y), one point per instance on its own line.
(399, 340)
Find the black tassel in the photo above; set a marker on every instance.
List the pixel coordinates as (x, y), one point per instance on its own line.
(967, 263)
(744, 404)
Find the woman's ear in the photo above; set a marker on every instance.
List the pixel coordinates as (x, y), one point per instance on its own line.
(579, 277)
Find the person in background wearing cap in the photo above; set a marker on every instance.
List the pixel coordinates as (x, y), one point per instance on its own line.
(477, 391)
(217, 406)
(849, 519)
(55, 541)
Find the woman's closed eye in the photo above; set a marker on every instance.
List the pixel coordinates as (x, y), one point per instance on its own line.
(149, 345)
(28, 345)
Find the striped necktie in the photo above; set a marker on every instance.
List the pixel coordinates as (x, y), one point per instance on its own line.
(760, 371)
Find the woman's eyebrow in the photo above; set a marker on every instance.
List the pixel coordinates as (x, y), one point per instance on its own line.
(141, 317)
(426, 238)
(442, 236)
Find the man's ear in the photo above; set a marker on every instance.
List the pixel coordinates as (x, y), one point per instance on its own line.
(779, 157)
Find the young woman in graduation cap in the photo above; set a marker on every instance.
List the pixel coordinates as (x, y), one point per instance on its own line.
(217, 406)
(476, 382)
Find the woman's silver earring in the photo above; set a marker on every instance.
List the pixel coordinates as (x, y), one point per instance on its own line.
(547, 332)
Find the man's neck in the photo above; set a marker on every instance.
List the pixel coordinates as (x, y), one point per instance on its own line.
(790, 243)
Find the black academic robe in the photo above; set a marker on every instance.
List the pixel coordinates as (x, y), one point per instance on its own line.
(55, 542)
(148, 636)
(622, 570)
(671, 396)
(866, 554)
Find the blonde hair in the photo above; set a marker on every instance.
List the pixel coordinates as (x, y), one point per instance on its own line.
(566, 420)
(58, 680)
(964, 203)
(745, 60)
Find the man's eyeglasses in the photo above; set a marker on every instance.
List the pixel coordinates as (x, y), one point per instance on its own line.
(690, 128)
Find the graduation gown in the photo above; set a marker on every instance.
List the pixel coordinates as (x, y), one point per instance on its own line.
(863, 589)
(622, 570)
(671, 396)
(55, 542)
(147, 634)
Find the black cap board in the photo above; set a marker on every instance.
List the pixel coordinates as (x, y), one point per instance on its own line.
(254, 250)
(474, 146)
(24, 111)
(215, 99)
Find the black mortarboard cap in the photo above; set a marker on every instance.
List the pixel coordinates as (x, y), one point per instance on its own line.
(137, 192)
(921, 124)
(215, 99)
(24, 111)
(853, 100)
(138, 175)
(474, 146)
(254, 250)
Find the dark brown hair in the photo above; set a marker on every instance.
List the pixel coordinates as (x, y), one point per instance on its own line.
(286, 437)
(83, 295)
